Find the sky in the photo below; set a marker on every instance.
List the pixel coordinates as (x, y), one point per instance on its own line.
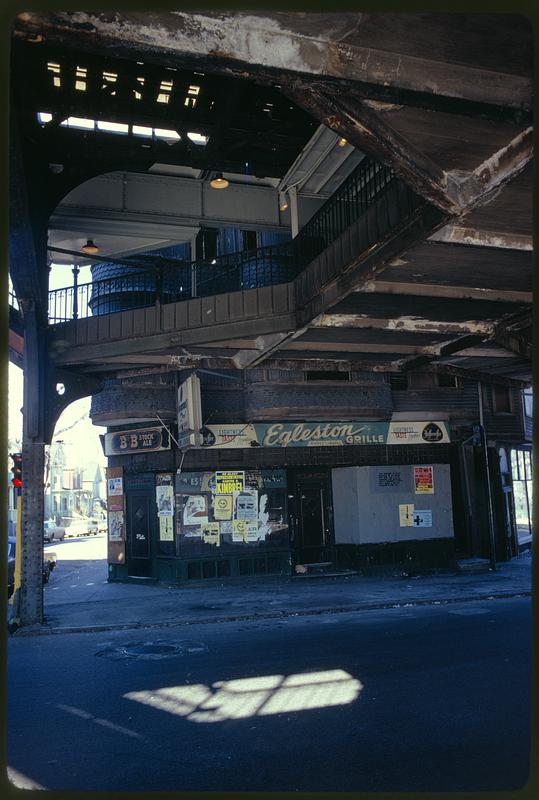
(81, 442)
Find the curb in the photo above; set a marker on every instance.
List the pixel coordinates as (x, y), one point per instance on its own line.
(48, 631)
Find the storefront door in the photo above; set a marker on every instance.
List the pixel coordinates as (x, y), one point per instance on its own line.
(140, 522)
(312, 514)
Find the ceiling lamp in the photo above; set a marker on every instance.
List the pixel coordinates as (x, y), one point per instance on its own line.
(90, 248)
(218, 182)
(342, 141)
(283, 202)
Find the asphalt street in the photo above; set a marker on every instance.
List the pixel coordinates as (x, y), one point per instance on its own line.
(425, 698)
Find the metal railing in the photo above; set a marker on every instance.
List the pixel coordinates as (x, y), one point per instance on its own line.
(147, 281)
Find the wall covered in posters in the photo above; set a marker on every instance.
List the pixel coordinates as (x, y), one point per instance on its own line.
(230, 510)
(115, 516)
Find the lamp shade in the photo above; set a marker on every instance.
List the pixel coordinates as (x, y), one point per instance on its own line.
(90, 248)
(218, 182)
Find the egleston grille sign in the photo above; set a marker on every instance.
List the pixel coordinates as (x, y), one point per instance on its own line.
(324, 434)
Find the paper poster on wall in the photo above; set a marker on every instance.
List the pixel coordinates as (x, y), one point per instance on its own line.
(164, 498)
(246, 505)
(226, 527)
(116, 526)
(115, 503)
(239, 530)
(251, 532)
(210, 533)
(423, 480)
(166, 529)
(194, 532)
(195, 511)
(406, 512)
(229, 482)
(115, 487)
(422, 519)
(222, 507)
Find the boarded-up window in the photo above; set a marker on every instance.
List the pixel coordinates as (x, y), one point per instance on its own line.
(501, 398)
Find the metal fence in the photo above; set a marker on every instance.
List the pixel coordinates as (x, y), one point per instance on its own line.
(168, 280)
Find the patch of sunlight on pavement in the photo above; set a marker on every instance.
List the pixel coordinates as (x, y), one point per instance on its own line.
(21, 781)
(249, 697)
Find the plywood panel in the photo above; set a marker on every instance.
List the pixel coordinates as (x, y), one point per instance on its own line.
(168, 316)
(115, 326)
(127, 324)
(236, 305)
(92, 330)
(139, 320)
(208, 310)
(221, 307)
(250, 302)
(194, 313)
(181, 314)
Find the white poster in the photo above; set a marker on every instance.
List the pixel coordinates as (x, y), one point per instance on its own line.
(164, 497)
(246, 505)
(189, 413)
(418, 433)
(115, 486)
(116, 526)
(195, 511)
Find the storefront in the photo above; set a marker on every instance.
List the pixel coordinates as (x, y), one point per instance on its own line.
(269, 498)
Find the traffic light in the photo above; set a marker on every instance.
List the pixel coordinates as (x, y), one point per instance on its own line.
(16, 469)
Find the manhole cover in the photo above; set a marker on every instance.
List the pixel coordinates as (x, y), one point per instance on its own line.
(151, 650)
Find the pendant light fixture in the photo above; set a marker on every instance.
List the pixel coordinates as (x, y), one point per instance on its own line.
(283, 202)
(218, 182)
(90, 248)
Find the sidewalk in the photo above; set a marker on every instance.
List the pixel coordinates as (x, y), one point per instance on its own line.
(109, 606)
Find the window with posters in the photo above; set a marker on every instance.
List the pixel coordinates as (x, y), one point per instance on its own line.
(230, 510)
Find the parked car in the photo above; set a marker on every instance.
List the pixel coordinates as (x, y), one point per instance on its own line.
(49, 563)
(79, 526)
(52, 531)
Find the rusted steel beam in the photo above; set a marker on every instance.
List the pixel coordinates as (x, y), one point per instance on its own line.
(439, 351)
(461, 234)
(356, 121)
(332, 45)
(351, 363)
(476, 188)
(404, 324)
(442, 290)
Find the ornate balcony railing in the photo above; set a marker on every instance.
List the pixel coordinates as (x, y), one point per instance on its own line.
(145, 281)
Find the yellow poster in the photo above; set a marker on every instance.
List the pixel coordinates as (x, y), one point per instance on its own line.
(166, 529)
(210, 533)
(222, 507)
(229, 482)
(406, 512)
(239, 530)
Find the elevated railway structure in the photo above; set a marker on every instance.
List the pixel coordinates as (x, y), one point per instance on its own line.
(401, 145)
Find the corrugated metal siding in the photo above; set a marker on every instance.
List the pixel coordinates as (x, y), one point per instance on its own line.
(461, 403)
(504, 426)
